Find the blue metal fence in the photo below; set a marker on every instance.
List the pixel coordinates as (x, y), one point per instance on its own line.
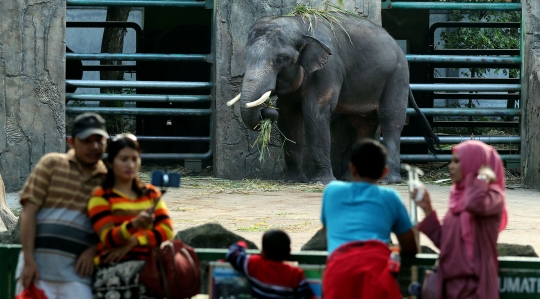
(447, 59)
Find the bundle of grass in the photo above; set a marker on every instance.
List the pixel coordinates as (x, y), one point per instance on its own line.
(328, 12)
(265, 130)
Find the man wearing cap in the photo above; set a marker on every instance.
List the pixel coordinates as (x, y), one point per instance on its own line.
(58, 241)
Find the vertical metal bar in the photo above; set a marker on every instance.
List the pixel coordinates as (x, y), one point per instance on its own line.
(522, 71)
(212, 56)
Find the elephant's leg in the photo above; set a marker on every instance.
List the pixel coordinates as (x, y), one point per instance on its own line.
(392, 113)
(317, 126)
(366, 127)
(291, 124)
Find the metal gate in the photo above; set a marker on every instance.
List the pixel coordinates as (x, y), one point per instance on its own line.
(160, 85)
(447, 58)
(437, 58)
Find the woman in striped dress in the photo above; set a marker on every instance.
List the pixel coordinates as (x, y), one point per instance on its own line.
(129, 219)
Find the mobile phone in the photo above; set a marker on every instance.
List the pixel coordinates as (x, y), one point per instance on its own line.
(165, 179)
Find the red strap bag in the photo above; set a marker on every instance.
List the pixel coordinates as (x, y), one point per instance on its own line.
(32, 292)
(172, 271)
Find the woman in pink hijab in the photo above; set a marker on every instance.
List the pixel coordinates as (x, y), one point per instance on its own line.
(467, 239)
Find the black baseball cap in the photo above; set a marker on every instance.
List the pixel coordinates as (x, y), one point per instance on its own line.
(88, 124)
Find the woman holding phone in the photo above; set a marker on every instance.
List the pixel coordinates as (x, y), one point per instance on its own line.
(128, 216)
(467, 238)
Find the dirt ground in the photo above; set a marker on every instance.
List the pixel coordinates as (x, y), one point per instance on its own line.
(248, 208)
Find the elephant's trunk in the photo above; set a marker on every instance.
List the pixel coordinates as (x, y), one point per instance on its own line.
(254, 92)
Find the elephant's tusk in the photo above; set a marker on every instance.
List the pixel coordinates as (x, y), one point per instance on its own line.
(261, 100)
(234, 100)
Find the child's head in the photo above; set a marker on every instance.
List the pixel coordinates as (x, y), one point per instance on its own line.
(368, 156)
(276, 245)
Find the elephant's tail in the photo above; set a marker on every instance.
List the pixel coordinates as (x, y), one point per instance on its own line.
(428, 133)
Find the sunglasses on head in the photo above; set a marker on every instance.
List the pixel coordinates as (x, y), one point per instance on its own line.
(124, 136)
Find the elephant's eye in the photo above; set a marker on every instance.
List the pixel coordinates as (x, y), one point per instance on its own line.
(281, 59)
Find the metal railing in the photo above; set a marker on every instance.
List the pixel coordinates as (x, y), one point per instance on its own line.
(523, 270)
(465, 88)
(447, 58)
(143, 98)
(138, 3)
(387, 4)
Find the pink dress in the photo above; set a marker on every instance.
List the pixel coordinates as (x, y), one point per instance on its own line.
(459, 276)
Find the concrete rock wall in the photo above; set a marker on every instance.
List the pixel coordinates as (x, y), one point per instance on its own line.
(32, 63)
(234, 156)
(530, 95)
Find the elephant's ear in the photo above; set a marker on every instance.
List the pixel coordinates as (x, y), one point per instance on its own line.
(314, 54)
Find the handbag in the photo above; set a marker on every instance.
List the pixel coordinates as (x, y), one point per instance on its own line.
(430, 285)
(117, 280)
(172, 271)
(32, 292)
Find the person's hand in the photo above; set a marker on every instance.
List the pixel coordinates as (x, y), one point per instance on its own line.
(116, 254)
(424, 202)
(488, 172)
(143, 220)
(85, 262)
(29, 273)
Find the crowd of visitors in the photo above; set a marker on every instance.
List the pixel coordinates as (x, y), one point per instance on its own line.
(87, 225)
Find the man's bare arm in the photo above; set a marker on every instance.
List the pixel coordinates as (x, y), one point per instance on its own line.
(408, 243)
(28, 237)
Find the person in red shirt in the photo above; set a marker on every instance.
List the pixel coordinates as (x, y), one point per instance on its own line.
(268, 275)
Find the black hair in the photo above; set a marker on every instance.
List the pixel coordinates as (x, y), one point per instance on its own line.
(116, 144)
(276, 244)
(369, 158)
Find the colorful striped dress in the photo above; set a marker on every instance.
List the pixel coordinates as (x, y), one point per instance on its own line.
(111, 212)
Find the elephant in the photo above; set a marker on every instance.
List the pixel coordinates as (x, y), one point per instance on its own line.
(318, 68)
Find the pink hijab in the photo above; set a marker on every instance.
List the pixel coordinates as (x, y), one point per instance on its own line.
(472, 155)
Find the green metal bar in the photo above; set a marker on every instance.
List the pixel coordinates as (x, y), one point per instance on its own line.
(459, 139)
(137, 3)
(137, 57)
(446, 158)
(140, 111)
(138, 98)
(451, 6)
(137, 84)
(4, 273)
(464, 59)
(466, 87)
(466, 112)
(175, 157)
(9, 254)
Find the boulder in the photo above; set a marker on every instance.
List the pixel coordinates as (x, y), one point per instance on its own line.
(316, 243)
(12, 236)
(515, 250)
(426, 249)
(7, 219)
(211, 235)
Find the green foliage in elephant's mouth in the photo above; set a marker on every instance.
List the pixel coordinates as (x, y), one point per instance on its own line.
(265, 133)
(263, 140)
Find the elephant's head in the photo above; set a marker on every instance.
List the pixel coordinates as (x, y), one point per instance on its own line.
(279, 59)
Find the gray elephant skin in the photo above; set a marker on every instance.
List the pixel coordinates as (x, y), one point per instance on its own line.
(353, 68)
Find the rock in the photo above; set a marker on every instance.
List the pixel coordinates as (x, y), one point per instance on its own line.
(426, 249)
(12, 236)
(515, 250)
(316, 243)
(7, 219)
(210, 235)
